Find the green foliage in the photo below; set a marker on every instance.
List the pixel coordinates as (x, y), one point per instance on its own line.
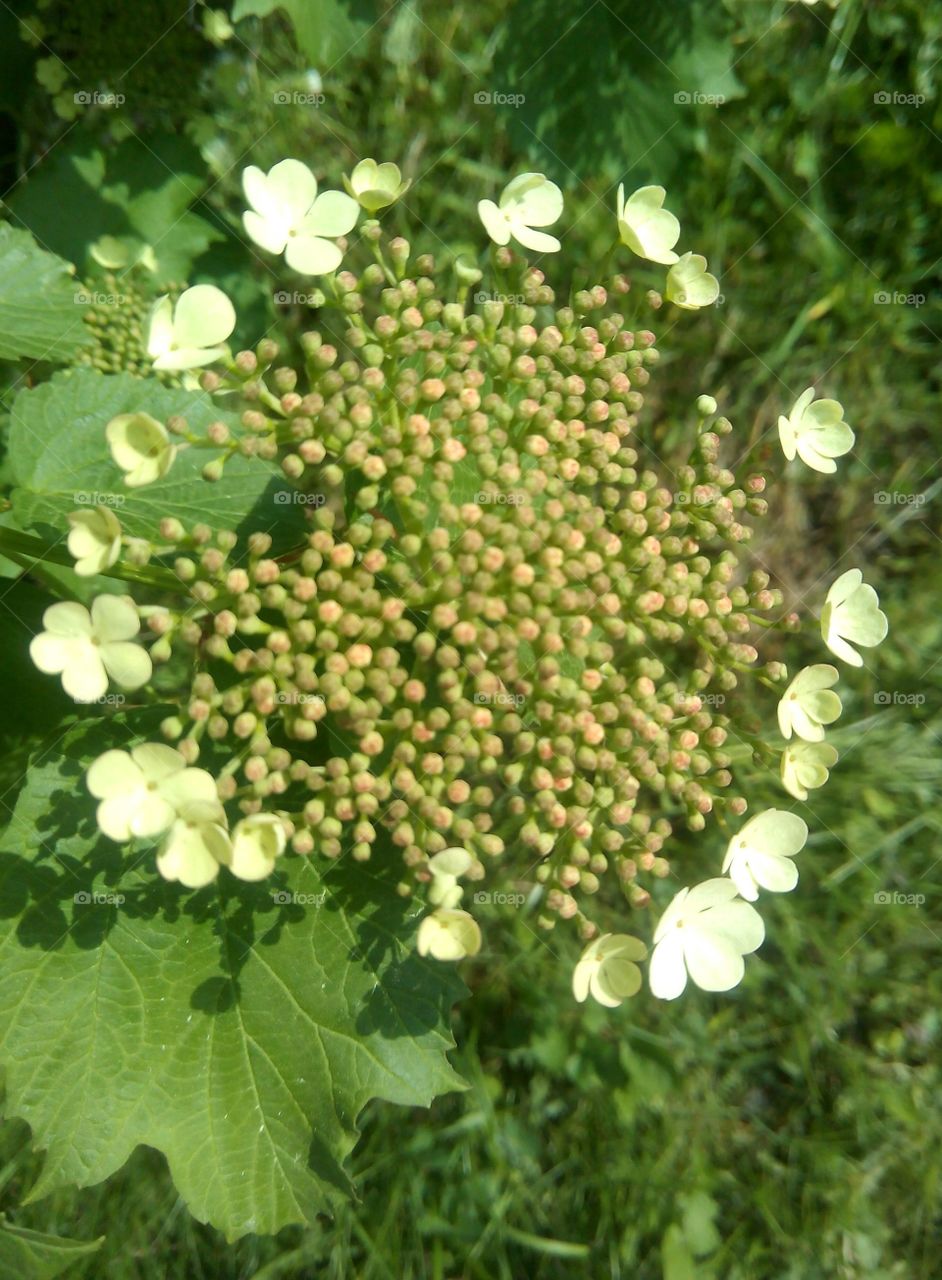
(141, 191)
(326, 30)
(638, 73)
(60, 460)
(240, 1031)
(41, 304)
(152, 54)
(34, 1255)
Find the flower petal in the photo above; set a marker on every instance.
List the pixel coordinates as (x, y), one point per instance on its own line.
(495, 224)
(68, 619)
(114, 618)
(312, 256)
(267, 234)
(713, 962)
(160, 327)
(667, 972)
(203, 317)
(538, 241)
(333, 214)
(84, 677)
(128, 665)
(114, 773)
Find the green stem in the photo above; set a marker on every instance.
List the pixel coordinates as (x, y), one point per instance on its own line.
(26, 547)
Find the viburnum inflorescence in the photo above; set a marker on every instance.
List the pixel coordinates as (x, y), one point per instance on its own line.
(510, 633)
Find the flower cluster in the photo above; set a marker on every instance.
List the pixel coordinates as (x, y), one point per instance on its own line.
(507, 631)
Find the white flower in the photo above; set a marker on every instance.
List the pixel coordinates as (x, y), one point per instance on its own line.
(196, 845)
(606, 970)
(376, 186)
(94, 540)
(705, 932)
(816, 432)
(805, 766)
(809, 703)
(527, 201)
(446, 868)
(448, 935)
(852, 612)
(141, 447)
(690, 285)
(88, 648)
(192, 333)
(289, 217)
(142, 793)
(762, 855)
(256, 842)
(645, 226)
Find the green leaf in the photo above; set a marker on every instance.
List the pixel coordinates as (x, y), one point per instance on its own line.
(676, 1259)
(34, 1255)
(699, 1222)
(326, 30)
(135, 190)
(611, 92)
(40, 301)
(61, 461)
(238, 1033)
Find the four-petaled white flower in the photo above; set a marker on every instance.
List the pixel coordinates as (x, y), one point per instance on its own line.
(607, 971)
(193, 332)
(690, 285)
(805, 766)
(448, 935)
(88, 648)
(529, 200)
(645, 226)
(762, 855)
(852, 613)
(257, 841)
(376, 186)
(446, 868)
(94, 539)
(809, 703)
(705, 932)
(815, 431)
(197, 844)
(143, 792)
(289, 217)
(141, 447)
